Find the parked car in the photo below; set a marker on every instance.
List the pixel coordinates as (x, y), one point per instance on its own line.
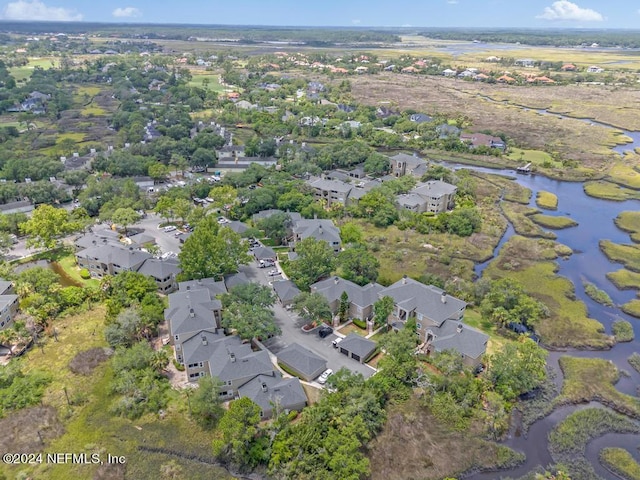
(324, 376)
(170, 228)
(478, 369)
(273, 273)
(336, 342)
(325, 331)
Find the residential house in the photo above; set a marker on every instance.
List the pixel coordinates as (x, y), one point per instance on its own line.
(8, 304)
(230, 151)
(330, 191)
(385, 112)
(237, 364)
(420, 118)
(361, 298)
(236, 226)
(506, 79)
(568, 67)
(301, 361)
(264, 253)
(433, 196)
(438, 318)
(21, 206)
(403, 164)
(481, 139)
(286, 291)
(273, 391)
(164, 273)
(449, 73)
(525, 62)
(263, 214)
(595, 69)
(319, 229)
(102, 260)
(357, 347)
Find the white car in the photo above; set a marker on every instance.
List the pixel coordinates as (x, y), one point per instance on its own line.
(170, 228)
(273, 273)
(322, 379)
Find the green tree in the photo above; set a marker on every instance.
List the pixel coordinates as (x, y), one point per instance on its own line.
(351, 233)
(127, 329)
(212, 251)
(382, 309)
(276, 226)
(205, 402)
(343, 308)
(250, 321)
(47, 226)
(518, 368)
(158, 171)
(315, 261)
(237, 433)
(125, 217)
(313, 306)
(358, 265)
(223, 195)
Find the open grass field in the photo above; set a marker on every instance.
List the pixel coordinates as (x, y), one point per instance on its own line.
(547, 200)
(529, 261)
(627, 255)
(556, 223)
(23, 73)
(93, 111)
(587, 379)
(499, 108)
(91, 91)
(537, 157)
(90, 427)
(630, 222)
(414, 444)
(206, 80)
(621, 462)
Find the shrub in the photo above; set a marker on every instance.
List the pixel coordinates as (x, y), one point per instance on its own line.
(84, 274)
(622, 330)
(178, 366)
(360, 323)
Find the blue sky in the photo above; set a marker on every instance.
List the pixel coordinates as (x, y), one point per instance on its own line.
(418, 13)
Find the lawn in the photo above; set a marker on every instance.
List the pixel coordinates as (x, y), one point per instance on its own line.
(88, 90)
(537, 157)
(628, 255)
(529, 261)
(92, 111)
(70, 267)
(547, 200)
(473, 318)
(556, 223)
(23, 73)
(206, 80)
(594, 379)
(351, 328)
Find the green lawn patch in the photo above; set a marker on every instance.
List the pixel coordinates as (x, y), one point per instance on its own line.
(547, 200)
(628, 255)
(596, 294)
(634, 361)
(529, 262)
(206, 80)
(625, 279)
(549, 221)
(537, 157)
(93, 111)
(629, 222)
(519, 216)
(621, 462)
(609, 191)
(587, 379)
(632, 308)
(623, 331)
(70, 267)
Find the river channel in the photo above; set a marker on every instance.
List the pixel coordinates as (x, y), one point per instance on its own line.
(595, 219)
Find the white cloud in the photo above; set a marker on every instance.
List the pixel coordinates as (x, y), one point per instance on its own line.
(452, 2)
(565, 10)
(36, 10)
(129, 12)
(356, 21)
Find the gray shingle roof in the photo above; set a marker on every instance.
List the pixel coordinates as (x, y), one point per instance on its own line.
(214, 287)
(318, 229)
(236, 226)
(262, 253)
(424, 299)
(201, 345)
(302, 360)
(286, 290)
(246, 364)
(5, 286)
(435, 188)
(235, 279)
(331, 185)
(128, 258)
(201, 296)
(187, 318)
(465, 340)
(412, 161)
(264, 390)
(333, 287)
(159, 268)
(354, 343)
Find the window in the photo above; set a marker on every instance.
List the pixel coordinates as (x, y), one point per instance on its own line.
(201, 364)
(418, 326)
(177, 337)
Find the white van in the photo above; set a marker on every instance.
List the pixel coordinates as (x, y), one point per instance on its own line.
(170, 228)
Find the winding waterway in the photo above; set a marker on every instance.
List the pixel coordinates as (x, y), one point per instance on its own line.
(595, 219)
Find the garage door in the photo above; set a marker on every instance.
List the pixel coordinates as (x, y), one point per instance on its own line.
(344, 352)
(355, 357)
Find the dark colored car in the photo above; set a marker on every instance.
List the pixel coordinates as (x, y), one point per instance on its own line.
(325, 331)
(478, 369)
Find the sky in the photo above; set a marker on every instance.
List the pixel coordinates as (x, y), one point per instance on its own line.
(370, 13)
